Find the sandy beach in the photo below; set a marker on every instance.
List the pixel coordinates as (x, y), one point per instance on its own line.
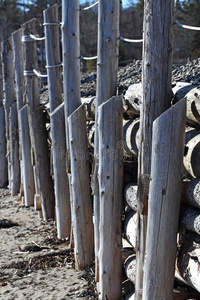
(34, 264)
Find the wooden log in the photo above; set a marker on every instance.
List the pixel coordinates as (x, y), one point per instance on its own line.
(188, 259)
(192, 95)
(110, 187)
(131, 136)
(130, 268)
(90, 104)
(164, 202)
(190, 218)
(71, 58)
(133, 99)
(3, 148)
(130, 226)
(71, 245)
(130, 195)
(15, 179)
(81, 199)
(107, 67)
(28, 177)
(62, 193)
(57, 119)
(191, 192)
(192, 153)
(37, 127)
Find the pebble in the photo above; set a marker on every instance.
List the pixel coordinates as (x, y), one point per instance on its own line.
(132, 73)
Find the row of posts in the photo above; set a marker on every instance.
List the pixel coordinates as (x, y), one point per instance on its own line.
(96, 230)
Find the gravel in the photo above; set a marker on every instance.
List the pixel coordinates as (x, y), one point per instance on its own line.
(132, 73)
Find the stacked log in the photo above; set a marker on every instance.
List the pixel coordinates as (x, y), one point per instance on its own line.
(188, 253)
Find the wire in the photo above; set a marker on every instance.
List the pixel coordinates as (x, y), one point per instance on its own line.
(88, 7)
(130, 41)
(38, 74)
(34, 37)
(186, 26)
(88, 58)
(55, 66)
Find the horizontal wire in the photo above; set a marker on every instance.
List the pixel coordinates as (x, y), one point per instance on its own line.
(186, 26)
(55, 66)
(34, 37)
(52, 24)
(88, 58)
(130, 41)
(38, 74)
(88, 7)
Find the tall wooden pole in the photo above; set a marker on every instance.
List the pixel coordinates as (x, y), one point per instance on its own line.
(110, 120)
(19, 76)
(61, 183)
(157, 95)
(8, 72)
(3, 159)
(71, 58)
(164, 202)
(38, 131)
(107, 67)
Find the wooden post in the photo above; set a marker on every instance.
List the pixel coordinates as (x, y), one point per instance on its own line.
(19, 76)
(19, 66)
(62, 195)
(81, 199)
(111, 195)
(107, 67)
(38, 131)
(3, 159)
(164, 202)
(71, 58)
(15, 179)
(29, 186)
(157, 96)
(8, 76)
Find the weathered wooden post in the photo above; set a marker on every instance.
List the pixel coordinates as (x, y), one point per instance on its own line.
(8, 73)
(19, 76)
(110, 125)
(29, 186)
(15, 178)
(157, 95)
(71, 58)
(38, 131)
(61, 184)
(107, 67)
(3, 159)
(164, 202)
(81, 199)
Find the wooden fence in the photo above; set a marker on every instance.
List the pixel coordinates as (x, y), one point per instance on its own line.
(83, 191)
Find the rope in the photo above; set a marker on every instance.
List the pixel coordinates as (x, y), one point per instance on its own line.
(38, 74)
(34, 37)
(52, 24)
(130, 41)
(186, 26)
(86, 8)
(55, 66)
(29, 73)
(88, 58)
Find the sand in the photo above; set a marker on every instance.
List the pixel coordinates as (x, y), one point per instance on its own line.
(34, 264)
